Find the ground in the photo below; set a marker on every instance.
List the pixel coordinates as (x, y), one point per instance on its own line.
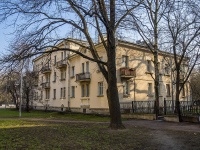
(61, 133)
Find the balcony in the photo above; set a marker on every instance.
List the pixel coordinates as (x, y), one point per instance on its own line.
(83, 77)
(46, 85)
(46, 69)
(61, 64)
(127, 73)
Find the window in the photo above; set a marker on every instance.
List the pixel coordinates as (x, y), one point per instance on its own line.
(61, 92)
(73, 91)
(47, 78)
(54, 93)
(167, 69)
(160, 89)
(126, 88)
(159, 67)
(47, 93)
(73, 71)
(83, 68)
(64, 92)
(183, 91)
(65, 54)
(63, 75)
(150, 93)
(148, 66)
(168, 89)
(100, 88)
(55, 60)
(54, 77)
(41, 95)
(49, 63)
(124, 61)
(87, 90)
(87, 66)
(82, 90)
(61, 55)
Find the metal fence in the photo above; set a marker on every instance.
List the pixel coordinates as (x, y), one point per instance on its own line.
(166, 108)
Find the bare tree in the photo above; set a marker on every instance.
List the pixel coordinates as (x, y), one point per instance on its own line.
(147, 23)
(10, 87)
(38, 24)
(183, 35)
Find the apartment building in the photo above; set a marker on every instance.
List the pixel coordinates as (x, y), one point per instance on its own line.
(67, 81)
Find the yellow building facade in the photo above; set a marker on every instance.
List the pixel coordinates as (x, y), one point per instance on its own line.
(67, 81)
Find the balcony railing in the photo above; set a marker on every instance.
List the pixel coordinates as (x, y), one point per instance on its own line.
(46, 85)
(61, 64)
(83, 76)
(46, 69)
(127, 72)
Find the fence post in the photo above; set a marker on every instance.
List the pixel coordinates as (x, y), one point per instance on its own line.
(165, 106)
(132, 107)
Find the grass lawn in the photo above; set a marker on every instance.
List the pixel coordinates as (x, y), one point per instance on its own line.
(56, 131)
(13, 113)
(30, 135)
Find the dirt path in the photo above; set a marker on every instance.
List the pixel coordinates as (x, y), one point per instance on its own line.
(169, 135)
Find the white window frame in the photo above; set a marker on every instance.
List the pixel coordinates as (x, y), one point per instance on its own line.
(54, 93)
(149, 66)
(73, 71)
(72, 91)
(168, 92)
(82, 90)
(47, 92)
(126, 88)
(125, 60)
(150, 89)
(87, 66)
(62, 74)
(100, 88)
(87, 90)
(54, 77)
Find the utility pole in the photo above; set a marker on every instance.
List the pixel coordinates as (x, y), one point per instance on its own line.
(21, 88)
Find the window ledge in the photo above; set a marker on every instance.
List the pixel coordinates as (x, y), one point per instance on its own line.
(160, 96)
(100, 95)
(54, 98)
(147, 72)
(167, 75)
(168, 96)
(72, 97)
(62, 79)
(72, 76)
(54, 81)
(126, 95)
(150, 95)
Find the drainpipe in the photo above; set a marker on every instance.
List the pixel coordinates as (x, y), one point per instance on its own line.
(68, 64)
(68, 80)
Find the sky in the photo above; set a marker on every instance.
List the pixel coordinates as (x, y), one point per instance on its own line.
(5, 36)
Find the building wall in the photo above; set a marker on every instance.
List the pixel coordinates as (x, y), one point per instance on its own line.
(138, 57)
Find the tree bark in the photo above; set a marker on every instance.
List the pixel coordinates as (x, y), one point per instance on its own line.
(177, 102)
(112, 91)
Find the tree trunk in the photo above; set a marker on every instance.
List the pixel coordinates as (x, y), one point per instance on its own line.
(177, 102)
(155, 53)
(112, 93)
(156, 82)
